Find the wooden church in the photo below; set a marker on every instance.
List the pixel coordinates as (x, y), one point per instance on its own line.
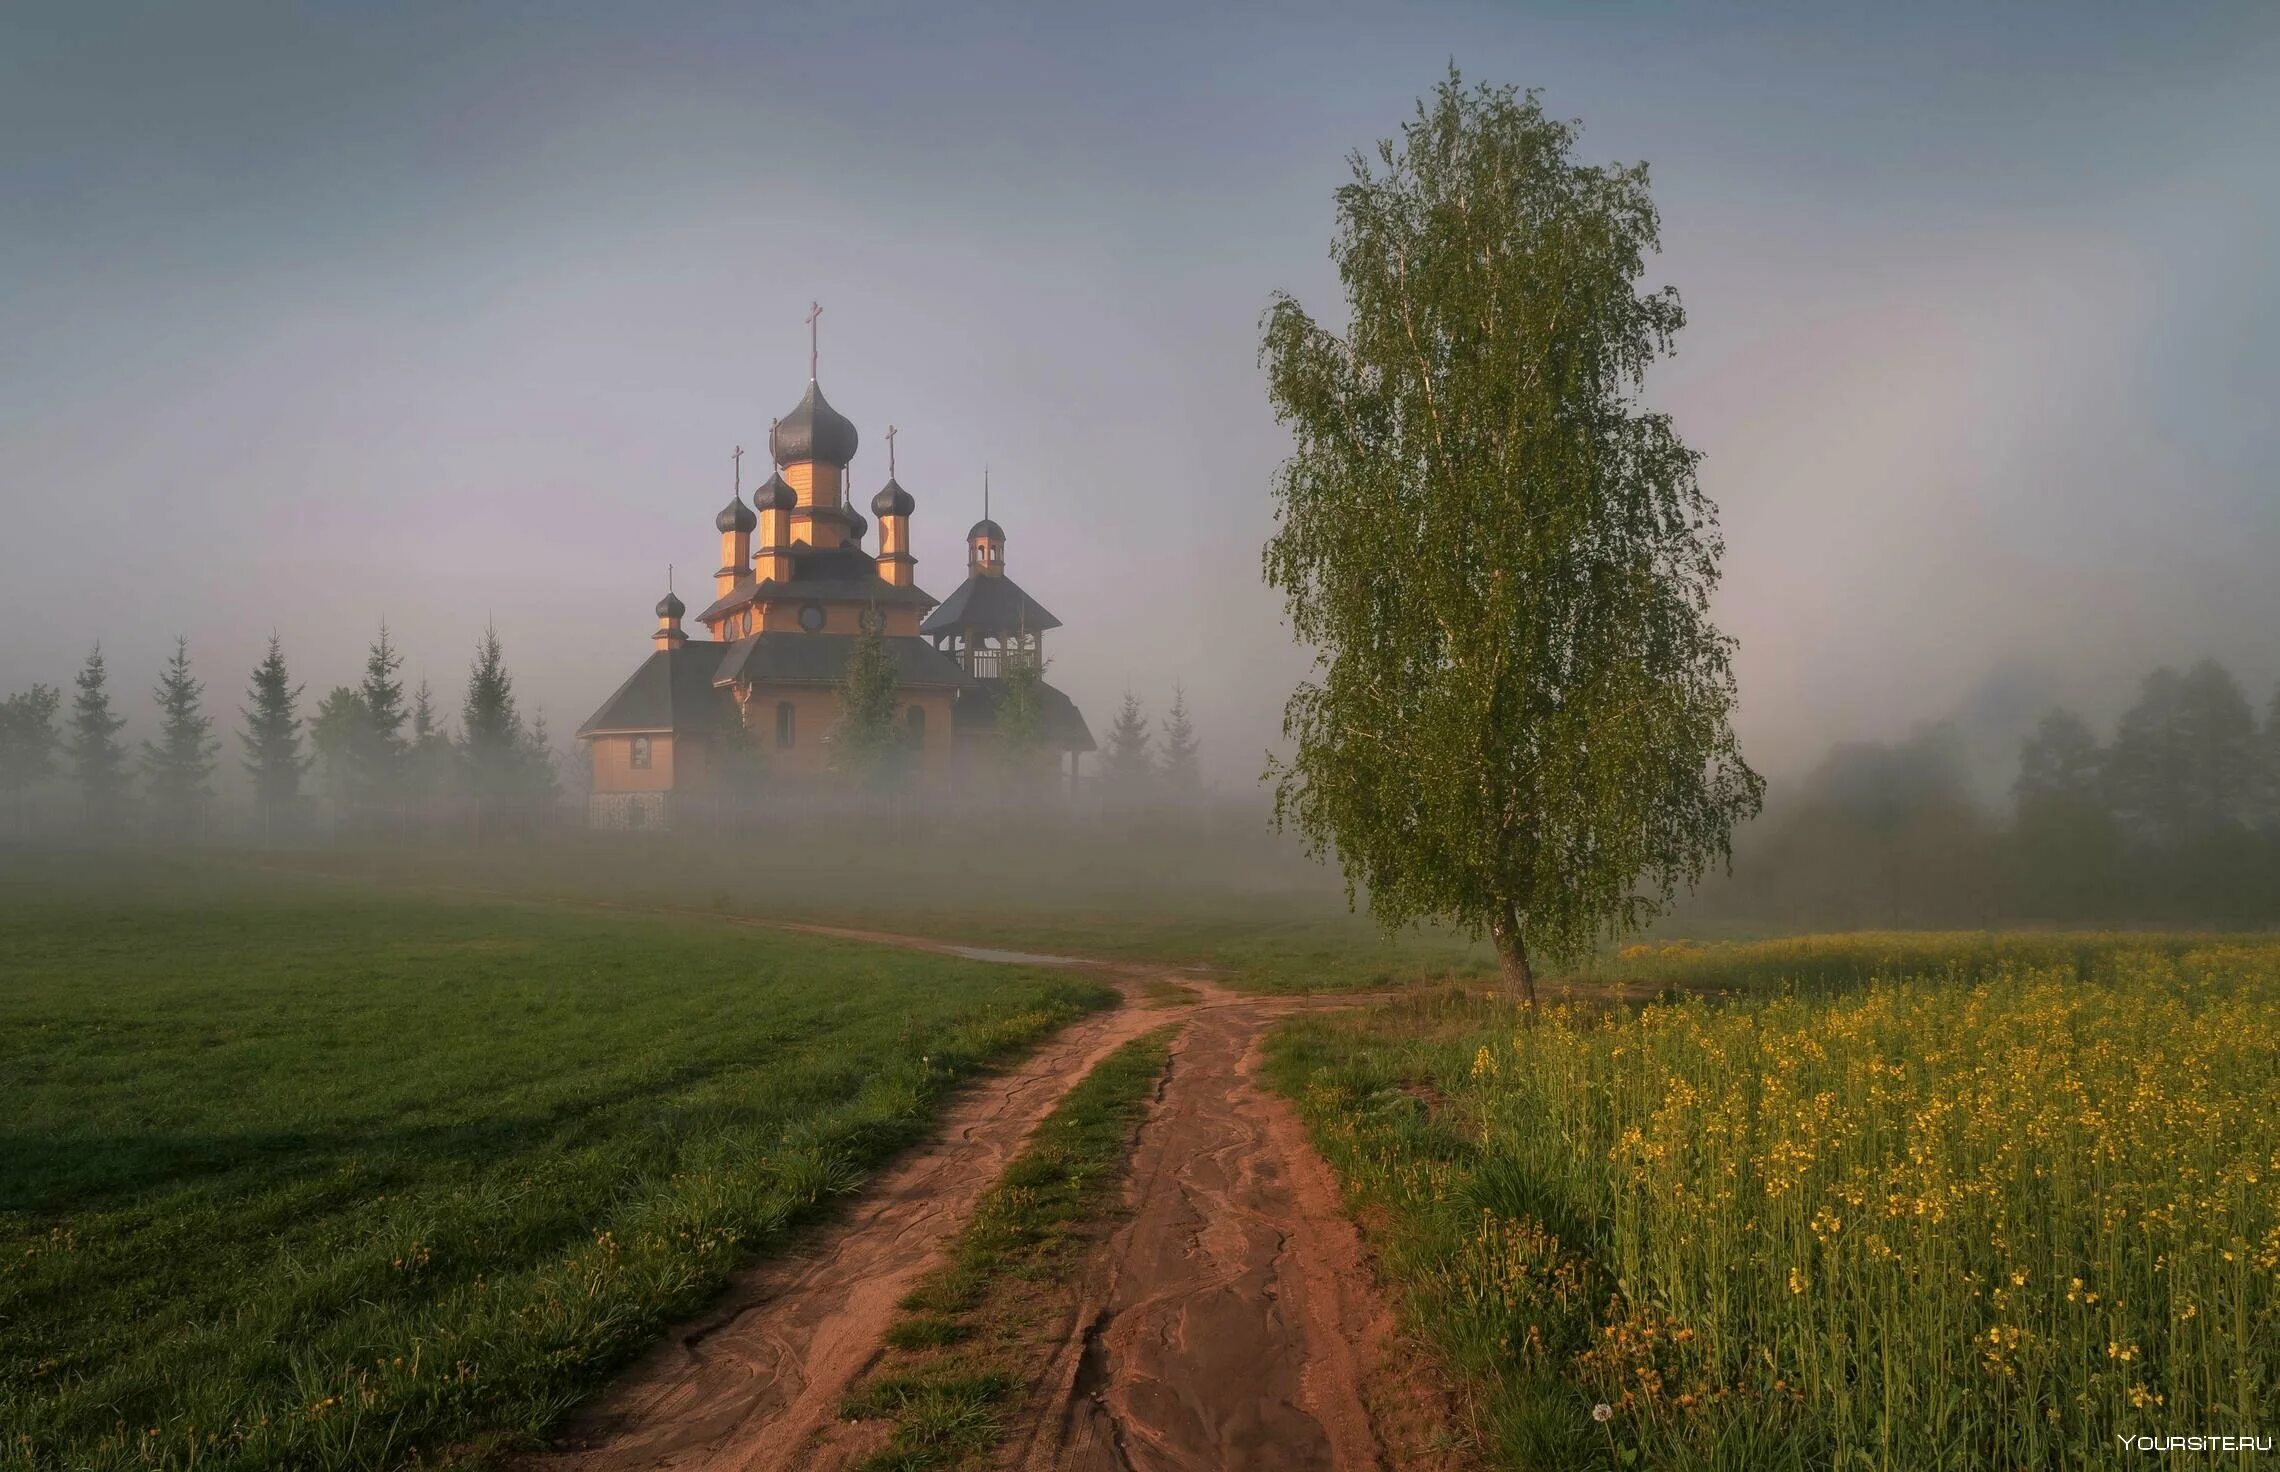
(758, 691)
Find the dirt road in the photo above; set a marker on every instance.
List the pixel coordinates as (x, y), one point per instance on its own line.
(1231, 1321)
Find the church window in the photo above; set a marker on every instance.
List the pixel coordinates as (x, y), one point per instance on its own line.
(915, 718)
(639, 760)
(783, 723)
(811, 617)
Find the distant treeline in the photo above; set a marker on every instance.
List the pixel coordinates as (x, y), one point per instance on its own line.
(2174, 819)
(371, 757)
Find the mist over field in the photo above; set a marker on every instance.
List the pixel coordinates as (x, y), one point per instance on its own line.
(317, 318)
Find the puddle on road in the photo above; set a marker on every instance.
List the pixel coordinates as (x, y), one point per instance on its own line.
(1015, 958)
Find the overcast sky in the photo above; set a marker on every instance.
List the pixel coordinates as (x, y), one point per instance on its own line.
(313, 316)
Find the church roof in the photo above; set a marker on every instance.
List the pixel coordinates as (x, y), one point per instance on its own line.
(989, 604)
(671, 691)
(819, 659)
(1064, 725)
(846, 574)
(813, 431)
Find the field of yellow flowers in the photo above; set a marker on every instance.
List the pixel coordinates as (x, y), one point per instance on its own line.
(1995, 1208)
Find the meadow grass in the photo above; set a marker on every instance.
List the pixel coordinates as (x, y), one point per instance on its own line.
(299, 1175)
(1222, 894)
(955, 1356)
(1995, 1215)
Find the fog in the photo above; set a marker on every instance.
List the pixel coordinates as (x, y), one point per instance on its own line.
(311, 318)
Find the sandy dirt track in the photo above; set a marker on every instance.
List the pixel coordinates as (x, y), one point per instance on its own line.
(1230, 1322)
(1233, 1322)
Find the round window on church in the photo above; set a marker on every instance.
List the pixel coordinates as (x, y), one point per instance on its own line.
(811, 618)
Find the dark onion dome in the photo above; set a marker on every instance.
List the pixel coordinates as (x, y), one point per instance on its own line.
(813, 431)
(986, 528)
(856, 525)
(892, 500)
(671, 607)
(736, 517)
(775, 496)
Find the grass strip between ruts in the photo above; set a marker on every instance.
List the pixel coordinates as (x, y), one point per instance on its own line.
(955, 1357)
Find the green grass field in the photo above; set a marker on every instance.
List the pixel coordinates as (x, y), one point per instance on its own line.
(1898, 1202)
(298, 1174)
(1223, 894)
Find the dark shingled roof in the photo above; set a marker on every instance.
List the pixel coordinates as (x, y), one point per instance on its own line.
(672, 691)
(847, 574)
(736, 517)
(892, 500)
(989, 603)
(813, 431)
(1064, 725)
(819, 659)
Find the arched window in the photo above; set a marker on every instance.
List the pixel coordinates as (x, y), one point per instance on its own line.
(639, 761)
(783, 723)
(915, 718)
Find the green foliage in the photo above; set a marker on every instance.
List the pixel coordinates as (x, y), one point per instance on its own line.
(1519, 717)
(272, 737)
(372, 1176)
(1179, 771)
(336, 734)
(27, 742)
(2184, 761)
(1127, 764)
(494, 749)
(179, 764)
(98, 760)
(1987, 1214)
(1021, 712)
(377, 754)
(542, 771)
(431, 762)
(870, 745)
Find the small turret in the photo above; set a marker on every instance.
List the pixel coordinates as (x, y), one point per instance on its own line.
(670, 608)
(893, 506)
(735, 524)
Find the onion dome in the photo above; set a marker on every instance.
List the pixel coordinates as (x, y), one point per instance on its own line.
(856, 525)
(671, 607)
(775, 496)
(736, 517)
(813, 431)
(986, 528)
(892, 500)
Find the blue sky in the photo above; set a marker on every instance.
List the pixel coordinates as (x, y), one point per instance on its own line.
(315, 315)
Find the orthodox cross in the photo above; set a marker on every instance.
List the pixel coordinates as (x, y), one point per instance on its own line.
(738, 458)
(891, 433)
(815, 310)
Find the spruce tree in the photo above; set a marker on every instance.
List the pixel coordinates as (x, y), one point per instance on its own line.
(272, 739)
(1178, 769)
(1128, 768)
(98, 760)
(379, 751)
(337, 734)
(1021, 714)
(180, 763)
(492, 750)
(869, 744)
(429, 761)
(542, 769)
(27, 742)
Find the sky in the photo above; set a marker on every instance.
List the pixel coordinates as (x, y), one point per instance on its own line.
(316, 316)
